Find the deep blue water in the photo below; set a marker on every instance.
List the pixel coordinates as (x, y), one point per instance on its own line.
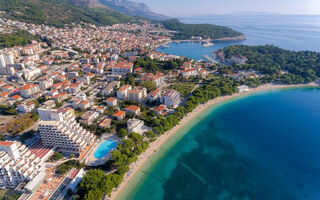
(261, 147)
(288, 32)
(104, 148)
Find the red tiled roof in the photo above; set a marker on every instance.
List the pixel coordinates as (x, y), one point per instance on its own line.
(160, 108)
(4, 94)
(28, 86)
(5, 143)
(133, 108)
(125, 87)
(84, 102)
(119, 113)
(110, 99)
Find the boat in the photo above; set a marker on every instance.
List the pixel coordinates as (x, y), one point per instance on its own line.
(207, 44)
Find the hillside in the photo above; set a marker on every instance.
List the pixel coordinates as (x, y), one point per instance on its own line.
(292, 66)
(132, 9)
(186, 31)
(16, 38)
(59, 12)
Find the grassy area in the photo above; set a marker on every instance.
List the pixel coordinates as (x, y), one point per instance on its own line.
(9, 195)
(183, 87)
(21, 123)
(4, 121)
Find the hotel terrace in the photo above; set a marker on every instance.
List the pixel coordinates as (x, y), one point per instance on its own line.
(20, 164)
(59, 128)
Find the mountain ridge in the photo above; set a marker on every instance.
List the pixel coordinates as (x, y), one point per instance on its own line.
(60, 12)
(133, 9)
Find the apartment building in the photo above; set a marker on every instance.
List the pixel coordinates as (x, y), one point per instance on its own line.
(111, 101)
(133, 109)
(26, 107)
(154, 95)
(170, 98)
(122, 69)
(28, 90)
(110, 89)
(6, 59)
(135, 125)
(158, 78)
(59, 128)
(189, 72)
(137, 94)
(122, 93)
(18, 164)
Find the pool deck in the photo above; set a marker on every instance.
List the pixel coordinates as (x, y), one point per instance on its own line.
(91, 160)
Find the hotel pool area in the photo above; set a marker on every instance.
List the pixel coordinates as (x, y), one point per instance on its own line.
(104, 148)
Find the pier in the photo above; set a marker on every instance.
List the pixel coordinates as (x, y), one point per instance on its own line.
(208, 58)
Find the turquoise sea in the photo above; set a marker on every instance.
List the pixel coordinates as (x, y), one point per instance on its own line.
(264, 146)
(292, 32)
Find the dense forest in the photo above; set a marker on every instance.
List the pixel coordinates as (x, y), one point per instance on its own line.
(186, 31)
(278, 64)
(58, 12)
(17, 38)
(152, 66)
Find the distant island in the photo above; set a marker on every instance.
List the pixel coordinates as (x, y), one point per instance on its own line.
(205, 31)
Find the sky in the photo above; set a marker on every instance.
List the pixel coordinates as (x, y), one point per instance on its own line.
(178, 8)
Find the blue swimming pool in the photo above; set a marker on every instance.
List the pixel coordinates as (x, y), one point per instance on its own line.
(104, 148)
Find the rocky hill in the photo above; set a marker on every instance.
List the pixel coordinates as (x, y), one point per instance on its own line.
(60, 12)
(132, 9)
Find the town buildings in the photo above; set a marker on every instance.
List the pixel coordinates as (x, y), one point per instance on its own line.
(28, 90)
(111, 88)
(122, 69)
(170, 98)
(137, 94)
(243, 88)
(111, 101)
(133, 109)
(119, 115)
(122, 93)
(135, 125)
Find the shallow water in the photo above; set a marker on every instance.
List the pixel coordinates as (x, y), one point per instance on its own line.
(264, 146)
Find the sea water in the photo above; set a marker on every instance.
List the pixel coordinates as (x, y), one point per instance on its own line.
(285, 31)
(261, 147)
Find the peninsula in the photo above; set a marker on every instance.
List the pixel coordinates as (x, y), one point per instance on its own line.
(184, 31)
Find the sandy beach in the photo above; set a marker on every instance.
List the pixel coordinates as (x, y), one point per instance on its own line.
(143, 158)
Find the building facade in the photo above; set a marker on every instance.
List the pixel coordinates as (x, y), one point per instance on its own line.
(170, 98)
(17, 164)
(59, 128)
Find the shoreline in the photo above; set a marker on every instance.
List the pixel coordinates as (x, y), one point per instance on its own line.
(224, 39)
(148, 154)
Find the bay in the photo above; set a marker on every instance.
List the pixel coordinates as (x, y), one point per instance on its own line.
(263, 146)
(291, 32)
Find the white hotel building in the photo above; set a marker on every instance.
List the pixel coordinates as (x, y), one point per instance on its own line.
(59, 128)
(18, 164)
(170, 98)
